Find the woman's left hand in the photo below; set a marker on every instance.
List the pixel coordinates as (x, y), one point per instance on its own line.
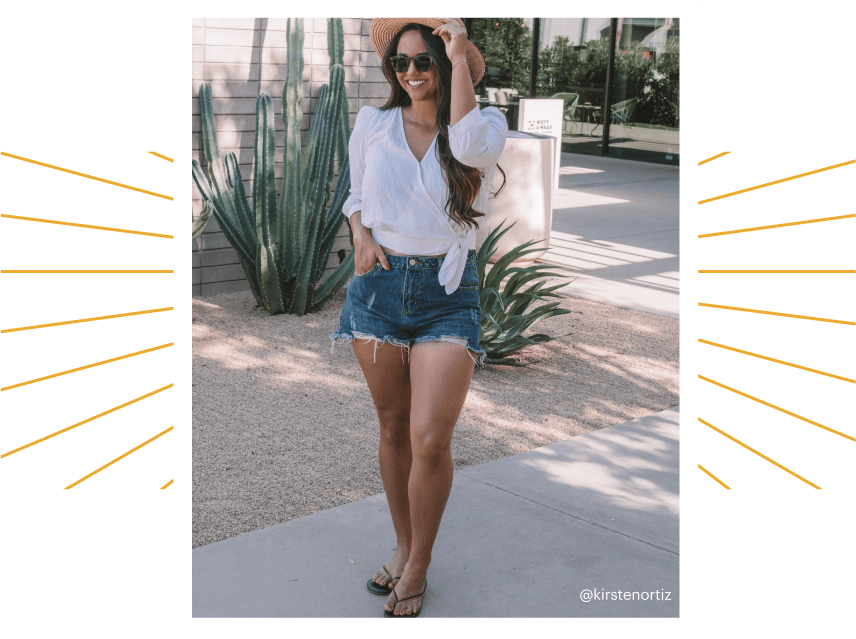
(455, 38)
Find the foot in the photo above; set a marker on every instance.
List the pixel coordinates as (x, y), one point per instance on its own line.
(412, 583)
(395, 566)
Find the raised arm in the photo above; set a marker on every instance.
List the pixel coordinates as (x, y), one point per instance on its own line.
(478, 139)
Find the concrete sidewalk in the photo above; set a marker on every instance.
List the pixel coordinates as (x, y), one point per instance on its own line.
(615, 228)
(521, 537)
(525, 535)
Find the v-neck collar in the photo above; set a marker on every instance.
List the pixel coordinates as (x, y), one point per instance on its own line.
(404, 138)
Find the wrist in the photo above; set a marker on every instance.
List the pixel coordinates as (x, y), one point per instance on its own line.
(361, 232)
(459, 60)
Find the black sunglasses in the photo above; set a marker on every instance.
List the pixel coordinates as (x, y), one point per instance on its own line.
(400, 63)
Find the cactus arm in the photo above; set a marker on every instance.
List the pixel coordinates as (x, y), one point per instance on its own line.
(264, 203)
(336, 50)
(245, 217)
(227, 224)
(323, 172)
(292, 202)
(216, 166)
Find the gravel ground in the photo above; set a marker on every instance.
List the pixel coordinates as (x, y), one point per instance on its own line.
(282, 428)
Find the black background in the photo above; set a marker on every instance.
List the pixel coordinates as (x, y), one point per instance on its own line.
(89, 94)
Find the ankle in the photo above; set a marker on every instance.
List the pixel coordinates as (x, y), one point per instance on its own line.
(418, 565)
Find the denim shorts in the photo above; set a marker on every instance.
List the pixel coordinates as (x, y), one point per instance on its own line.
(407, 305)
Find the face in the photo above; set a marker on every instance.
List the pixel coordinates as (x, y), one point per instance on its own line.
(411, 44)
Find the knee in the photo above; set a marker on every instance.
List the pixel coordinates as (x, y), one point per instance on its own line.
(394, 430)
(430, 446)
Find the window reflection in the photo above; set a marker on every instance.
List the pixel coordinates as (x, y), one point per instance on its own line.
(644, 116)
(573, 55)
(506, 44)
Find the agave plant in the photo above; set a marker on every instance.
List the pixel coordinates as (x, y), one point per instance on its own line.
(283, 247)
(504, 316)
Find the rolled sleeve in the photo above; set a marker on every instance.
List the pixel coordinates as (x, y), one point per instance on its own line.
(478, 139)
(357, 161)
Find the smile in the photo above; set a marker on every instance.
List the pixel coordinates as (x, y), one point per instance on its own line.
(416, 84)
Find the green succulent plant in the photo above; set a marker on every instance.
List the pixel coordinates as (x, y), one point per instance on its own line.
(504, 316)
(283, 248)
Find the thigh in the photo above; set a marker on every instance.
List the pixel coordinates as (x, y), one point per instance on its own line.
(386, 370)
(440, 373)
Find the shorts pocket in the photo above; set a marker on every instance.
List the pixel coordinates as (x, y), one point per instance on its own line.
(469, 278)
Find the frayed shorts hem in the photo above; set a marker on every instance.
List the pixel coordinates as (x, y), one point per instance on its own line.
(479, 358)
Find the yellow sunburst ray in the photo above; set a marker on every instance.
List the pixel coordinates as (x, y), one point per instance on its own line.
(80, 368)
(86, 226)
(86, 319)
(85, 421)
(754, 310)
(134, 449)
(714, 477)
(92, 271)
(91, 177)
(761, 455)
(777, 361)
(777, 226)
(772, 271)
(162, 157)
(778, 408)
(709, 160)
(761, 186)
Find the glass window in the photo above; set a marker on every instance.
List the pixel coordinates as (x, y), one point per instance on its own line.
(644, 122)
(506, 44)
(573, 56)
(572, 59)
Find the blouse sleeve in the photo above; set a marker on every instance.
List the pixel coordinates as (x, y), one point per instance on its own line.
(478, 139)
(357, 160)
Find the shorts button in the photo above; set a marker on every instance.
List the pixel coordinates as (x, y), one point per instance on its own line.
(412, 262)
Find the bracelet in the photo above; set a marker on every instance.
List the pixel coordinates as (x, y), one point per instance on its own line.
(457, 63)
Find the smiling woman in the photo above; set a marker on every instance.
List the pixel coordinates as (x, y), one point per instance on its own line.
(420, 166)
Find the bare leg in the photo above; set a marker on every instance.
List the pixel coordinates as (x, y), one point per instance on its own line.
(440, 373)
(388, 379)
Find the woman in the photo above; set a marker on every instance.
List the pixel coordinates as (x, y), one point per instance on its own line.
(420, 167)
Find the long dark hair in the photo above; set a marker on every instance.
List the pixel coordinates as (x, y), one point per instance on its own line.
(463, 181)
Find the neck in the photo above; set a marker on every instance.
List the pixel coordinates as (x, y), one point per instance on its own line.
(423, 112)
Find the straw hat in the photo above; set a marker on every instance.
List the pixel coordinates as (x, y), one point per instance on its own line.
(383, 30)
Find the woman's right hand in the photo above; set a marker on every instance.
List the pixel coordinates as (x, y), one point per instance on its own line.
(367, 252)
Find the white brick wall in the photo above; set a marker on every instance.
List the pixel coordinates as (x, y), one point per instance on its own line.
(242, 58)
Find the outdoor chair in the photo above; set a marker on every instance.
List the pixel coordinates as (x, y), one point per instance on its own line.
(502, 100)
(491, 94)
(569, 111)
(622, 113)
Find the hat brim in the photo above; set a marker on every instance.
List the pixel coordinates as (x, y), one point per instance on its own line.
(383, 30)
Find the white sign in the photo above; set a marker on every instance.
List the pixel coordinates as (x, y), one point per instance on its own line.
(544, 117)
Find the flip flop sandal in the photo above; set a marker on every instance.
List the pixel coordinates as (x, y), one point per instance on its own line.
(377, 589)
(387, 613)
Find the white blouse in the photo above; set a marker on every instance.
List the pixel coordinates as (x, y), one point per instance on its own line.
(403, 200)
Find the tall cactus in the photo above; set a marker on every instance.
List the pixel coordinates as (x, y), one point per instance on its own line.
(283, 248)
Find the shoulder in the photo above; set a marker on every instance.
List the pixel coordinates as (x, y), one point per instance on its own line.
(369, 117)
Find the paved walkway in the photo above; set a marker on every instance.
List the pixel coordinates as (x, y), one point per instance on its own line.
(525, 535)
(615, 227)
(521, 537)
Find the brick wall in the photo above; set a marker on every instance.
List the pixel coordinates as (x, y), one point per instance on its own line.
(242, 58)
